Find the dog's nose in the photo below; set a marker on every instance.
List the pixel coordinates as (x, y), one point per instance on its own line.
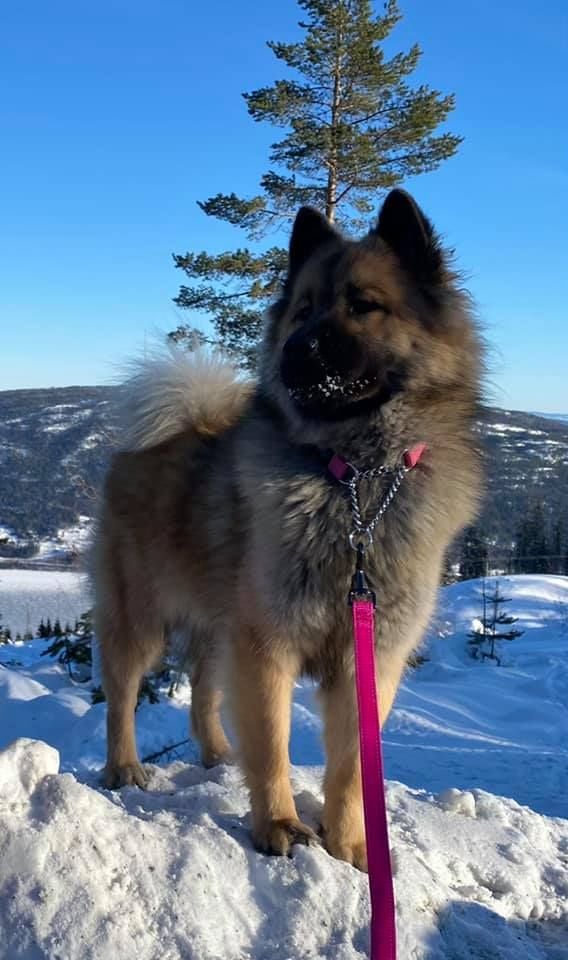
(301, 345)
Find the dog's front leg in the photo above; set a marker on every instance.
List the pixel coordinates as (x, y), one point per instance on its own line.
(343, 827)
(261, 685)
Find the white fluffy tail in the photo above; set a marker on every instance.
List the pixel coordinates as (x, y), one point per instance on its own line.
(170, 393)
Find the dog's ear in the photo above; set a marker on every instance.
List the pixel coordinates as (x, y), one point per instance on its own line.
(410, 235)
(310, 231)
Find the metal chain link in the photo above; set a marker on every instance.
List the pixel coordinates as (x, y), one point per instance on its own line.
(361, 527)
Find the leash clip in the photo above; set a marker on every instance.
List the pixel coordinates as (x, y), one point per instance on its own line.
(360, 589)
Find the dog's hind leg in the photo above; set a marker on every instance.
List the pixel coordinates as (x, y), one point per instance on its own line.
(206, 699)
(126, 655)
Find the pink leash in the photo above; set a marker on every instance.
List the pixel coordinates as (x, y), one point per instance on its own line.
(383, 919)
(363, 602)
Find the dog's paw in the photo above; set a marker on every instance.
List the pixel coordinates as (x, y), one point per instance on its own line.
(212, 758)
(278, 836)
(126, 775)
(352, 851)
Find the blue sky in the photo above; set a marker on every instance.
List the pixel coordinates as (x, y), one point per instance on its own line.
(118, 116)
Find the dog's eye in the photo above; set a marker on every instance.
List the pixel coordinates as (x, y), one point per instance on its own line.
(360, 306)
(302, 314)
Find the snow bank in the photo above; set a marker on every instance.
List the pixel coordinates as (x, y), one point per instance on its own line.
(22, 765)
(171, 874)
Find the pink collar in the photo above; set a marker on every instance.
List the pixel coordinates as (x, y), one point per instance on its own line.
(343, 470)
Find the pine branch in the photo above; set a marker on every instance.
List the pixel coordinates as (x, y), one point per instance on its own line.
(152, 757)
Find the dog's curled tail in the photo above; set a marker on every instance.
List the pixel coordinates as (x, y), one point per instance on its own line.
(170, 393)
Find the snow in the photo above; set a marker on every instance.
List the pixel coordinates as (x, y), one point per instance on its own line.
(69, 541)
(28, 595)
(22, 767)
(171, 873)
(507, 428)
(6, 533)
(469, 723)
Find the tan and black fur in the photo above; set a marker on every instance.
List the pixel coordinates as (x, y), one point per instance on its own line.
(221, 519)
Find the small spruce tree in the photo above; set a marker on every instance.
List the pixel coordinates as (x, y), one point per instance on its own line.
(489, 629)
(74, 651)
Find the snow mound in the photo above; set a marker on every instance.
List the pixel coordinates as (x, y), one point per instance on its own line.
(23, 765)
(171, 874)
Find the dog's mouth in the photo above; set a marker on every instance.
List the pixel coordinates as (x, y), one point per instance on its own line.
(335, 396)
(329, 378)
(332, 390)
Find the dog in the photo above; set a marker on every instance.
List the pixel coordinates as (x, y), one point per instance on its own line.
(220, 517)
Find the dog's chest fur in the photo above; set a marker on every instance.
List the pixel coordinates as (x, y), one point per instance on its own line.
(296, 521)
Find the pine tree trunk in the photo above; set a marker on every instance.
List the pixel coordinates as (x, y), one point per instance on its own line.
(331, 192)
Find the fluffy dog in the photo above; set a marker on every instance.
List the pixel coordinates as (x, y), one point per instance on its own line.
(221, 518)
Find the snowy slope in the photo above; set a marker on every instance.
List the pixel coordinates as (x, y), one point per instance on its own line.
(171, 873)
(465, 723)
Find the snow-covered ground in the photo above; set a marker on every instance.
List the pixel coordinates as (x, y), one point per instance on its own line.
(463, 723)
(28, 595)
(171, 873)
(68, 542)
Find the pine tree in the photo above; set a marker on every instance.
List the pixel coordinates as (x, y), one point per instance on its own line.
(473, 560)
(488, 630)
(531, 545)
(57, 631)
(73, 651)
(556, 545)
(449, 575)
(353, 128)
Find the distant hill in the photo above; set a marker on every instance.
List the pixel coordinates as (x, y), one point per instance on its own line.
(526, 460)
(55, 445)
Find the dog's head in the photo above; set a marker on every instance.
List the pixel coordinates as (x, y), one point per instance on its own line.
(360, 322)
